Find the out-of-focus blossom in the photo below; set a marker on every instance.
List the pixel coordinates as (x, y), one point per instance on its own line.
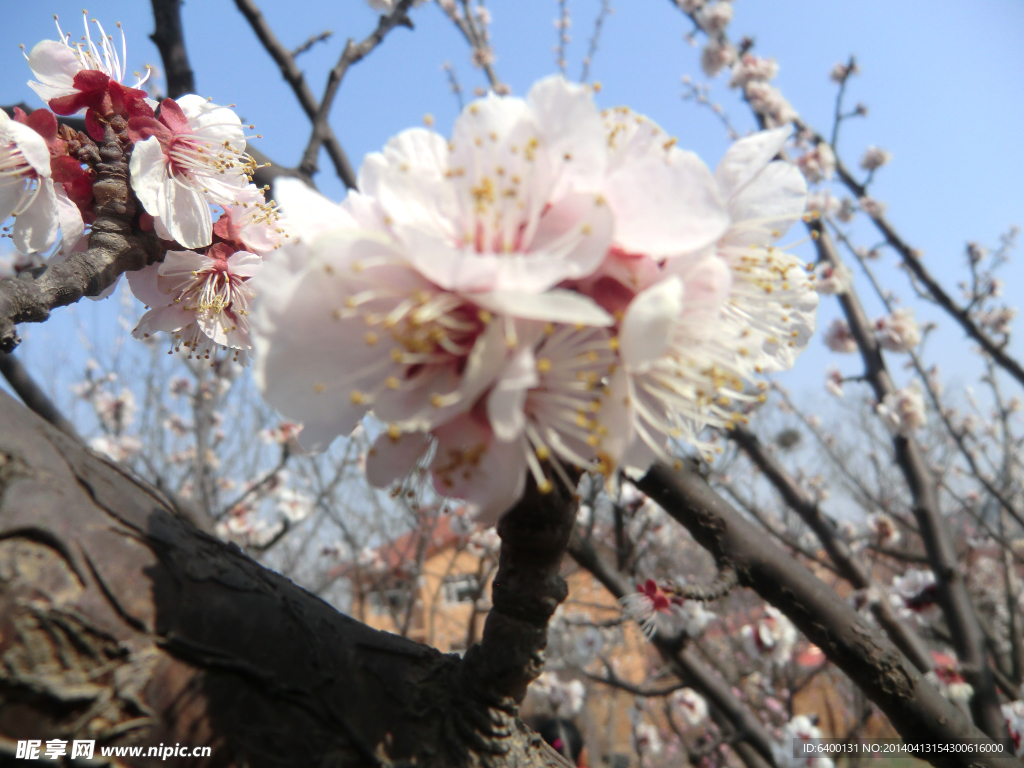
(294, 505)
(1014, 714)
(885, 530)
(834, 382)
(115, 412)
(388, 6)
(716, 56)
(915, 593)
(285, 433)
(773, 637)
(767, 100)
(899, 332)
(484, 543)
(116, 447)
(715, 17)
(817, 164)
(643, 605)
(690, 705)
(832, 279)
(873, 208)
(751, 68)
(796, 732)
(947, 678)
(695, 617)
(874, 158)
(647, 739)
(839, 338)
(997, 320)
(903, 411)
(842, 71)
(564, 697)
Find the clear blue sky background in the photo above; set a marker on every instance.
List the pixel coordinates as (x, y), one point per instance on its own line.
(944, 82)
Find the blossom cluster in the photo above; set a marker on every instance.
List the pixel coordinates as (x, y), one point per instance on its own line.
(184, 155)
(553, 289)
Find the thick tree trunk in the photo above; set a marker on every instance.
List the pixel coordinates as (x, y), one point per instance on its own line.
(122, 622)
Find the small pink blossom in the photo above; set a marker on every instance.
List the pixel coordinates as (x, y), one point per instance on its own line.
(899, 332)
(716, 56)
(203, 300)
(903, 411)
(839, 338)
(817, 164)
(191, 156)
(87, 75)
(874, 158)
(751, 68)
(834, 382)
(873, 208)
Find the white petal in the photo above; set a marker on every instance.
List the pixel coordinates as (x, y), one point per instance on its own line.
(572, 129)
(186, 214)
(12, 192)
(409, 180)
(556, 306)
(649, 322)
(393, 457)
(471, 465)
(666, 205)
(149, 172)
(768, 206)
(506, 401)
(56, 65)
(307, 213)
(144, 286)
(244, 264)
(35, 229)
(747, 157)
(70, 218)
(32, 146)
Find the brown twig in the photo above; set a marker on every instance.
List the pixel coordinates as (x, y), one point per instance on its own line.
(352, 54)
(294, 77)
(169, 37)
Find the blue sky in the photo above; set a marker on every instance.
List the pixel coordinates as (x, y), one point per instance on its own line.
(944, 83)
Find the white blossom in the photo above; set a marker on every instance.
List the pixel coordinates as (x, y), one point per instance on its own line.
(874, 158)
(899, 332)
(839, 338)
(903, 411)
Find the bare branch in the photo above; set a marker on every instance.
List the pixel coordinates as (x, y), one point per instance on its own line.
(914, 707)
(322, 37)
(352, 54)
(294, 77)
(169, 37)
(848, 565)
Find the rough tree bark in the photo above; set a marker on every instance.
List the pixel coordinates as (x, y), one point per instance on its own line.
(122, 622)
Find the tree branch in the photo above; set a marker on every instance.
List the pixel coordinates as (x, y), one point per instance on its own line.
(847, 564)
(352, 54)
(116, 613)
(294, 77)
(755, 743)
(953, 597)
(114, 248)
(32, 395)
(915, 708)
(169, 37)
